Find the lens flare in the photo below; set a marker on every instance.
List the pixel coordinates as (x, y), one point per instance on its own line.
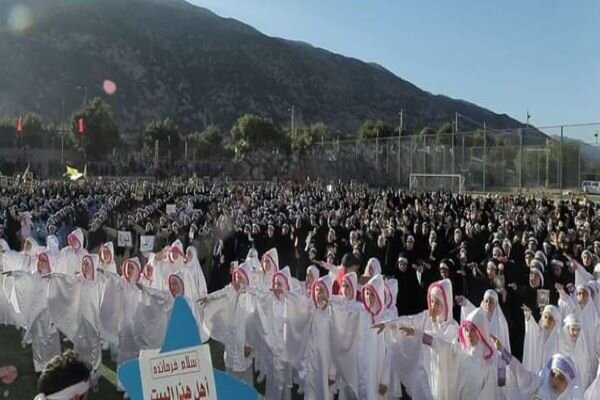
(109, 87)
(19, 19)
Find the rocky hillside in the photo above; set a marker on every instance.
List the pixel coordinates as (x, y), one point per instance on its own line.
(170, 58)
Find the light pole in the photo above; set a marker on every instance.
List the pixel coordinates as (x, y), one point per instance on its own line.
(292, 109)
(85, 93)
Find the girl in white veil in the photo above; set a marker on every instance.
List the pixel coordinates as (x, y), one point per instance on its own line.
(496, 319)
(541, 338)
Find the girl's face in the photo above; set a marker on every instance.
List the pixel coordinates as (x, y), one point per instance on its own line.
(240, 281)
(370, 298)
(436, 307)
(574, 331)
(471, 335)
(548, 321)
(73, 242)
(310, 279)
(534, 280)
(582, 297)
(87, 268)
(132, 272)
(370, 271)
(43, 265)
(266, 264)
(587, 260)
(176, 286)
(279, 284)
(489, 305)
(321, 296)
(347, 291)
(558, 382)
(189, 255)
(491, 272)
(105, 254)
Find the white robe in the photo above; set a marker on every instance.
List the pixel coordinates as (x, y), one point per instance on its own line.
(74, 305)
(522, 384)
(431, 377)
(226, 315)
(40, 331)
(271, 315)
(538, 346)
(476, 377)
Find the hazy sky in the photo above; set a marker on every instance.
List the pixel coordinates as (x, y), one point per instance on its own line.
(508, 56)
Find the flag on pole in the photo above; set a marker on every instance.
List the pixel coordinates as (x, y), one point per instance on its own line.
(81, 126)
(20, 125)
(85, 172)
(73, 174)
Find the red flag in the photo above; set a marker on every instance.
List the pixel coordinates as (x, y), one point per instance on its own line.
(20, 125)
(81, 126)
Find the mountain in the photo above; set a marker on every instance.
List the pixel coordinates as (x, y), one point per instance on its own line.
(171, 58)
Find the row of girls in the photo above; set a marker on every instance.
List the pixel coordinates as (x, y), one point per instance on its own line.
(350, 340)
(324, 338)
(45, 291)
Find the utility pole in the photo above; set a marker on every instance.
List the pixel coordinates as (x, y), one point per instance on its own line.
(453, 137)
(521, 158)
(292, 124)
(484, 154)
(560, 161)
(400, 143)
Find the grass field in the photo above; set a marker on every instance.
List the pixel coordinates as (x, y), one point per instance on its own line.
(24, 388)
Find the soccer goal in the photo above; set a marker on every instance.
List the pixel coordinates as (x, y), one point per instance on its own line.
(454, 183)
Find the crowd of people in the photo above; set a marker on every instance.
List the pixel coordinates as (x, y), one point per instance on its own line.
(324, 289)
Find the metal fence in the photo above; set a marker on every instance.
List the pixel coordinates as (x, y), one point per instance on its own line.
(488, 159)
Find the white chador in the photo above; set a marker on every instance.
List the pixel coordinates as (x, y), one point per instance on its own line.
(193, 267)
(312, 275)
(52, 245)
(269, 265)
(573, 343)
(308, 340)
(72, 254)
(556, 381)
(430, 378)
(583, 306)
(474, 359)
(31, 299)
(374, 358)
(74, 304)
(28, 258)
(497, 321)
(226, 315)
(118, 310)
(348, 297)
(391, 293)
(271, 316)
(8, 258)
(107, 258)
(541, 339)
(373, 268)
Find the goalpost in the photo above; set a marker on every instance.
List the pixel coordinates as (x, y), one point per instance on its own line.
(454, 183)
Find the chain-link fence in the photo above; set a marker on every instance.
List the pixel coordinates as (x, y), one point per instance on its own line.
(487, 159)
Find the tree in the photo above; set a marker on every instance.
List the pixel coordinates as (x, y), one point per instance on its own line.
(372, 129)
(100, 134)
(166, 132)
(446, 128)
(251, 132)
(427, 131)
(208, 144)
(305, 136)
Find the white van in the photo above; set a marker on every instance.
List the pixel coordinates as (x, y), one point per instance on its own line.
(590, 186)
